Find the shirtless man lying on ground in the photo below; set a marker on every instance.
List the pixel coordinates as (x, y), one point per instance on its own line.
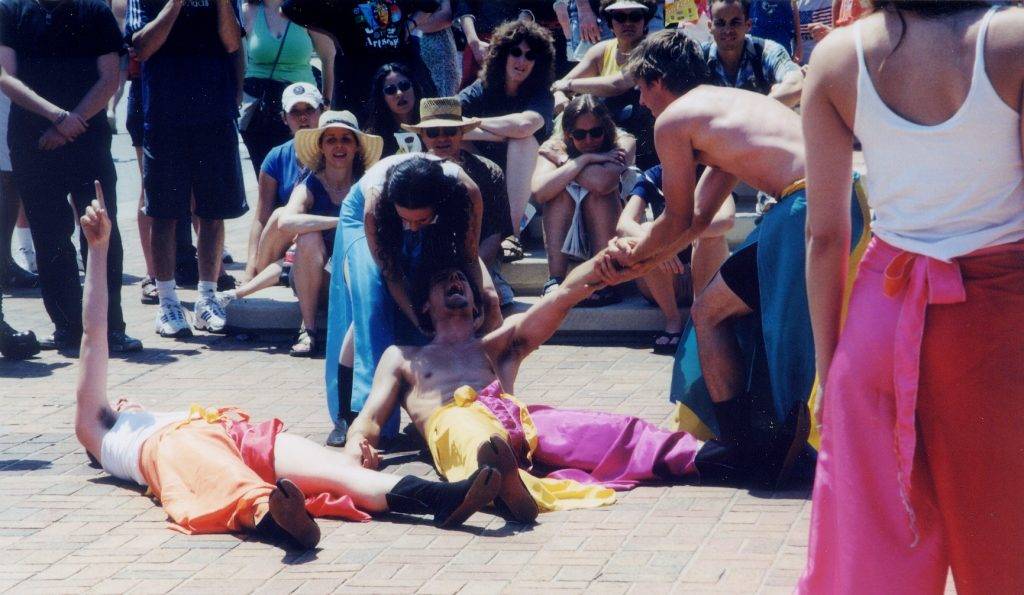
(455, 390)
(214, 471)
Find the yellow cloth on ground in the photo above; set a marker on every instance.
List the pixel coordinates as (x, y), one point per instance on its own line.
(455, 432)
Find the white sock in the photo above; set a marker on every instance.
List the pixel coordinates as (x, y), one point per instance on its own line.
(23, 238)
(168, 292)
(207, 289)
(231, 294)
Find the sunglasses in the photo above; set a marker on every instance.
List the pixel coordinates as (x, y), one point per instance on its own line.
(441, 131)
(594, 133)
(402, 86)
(518, 52)
(628, 17)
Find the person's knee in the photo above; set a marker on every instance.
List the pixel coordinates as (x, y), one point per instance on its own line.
(709, 306)
(309, 247)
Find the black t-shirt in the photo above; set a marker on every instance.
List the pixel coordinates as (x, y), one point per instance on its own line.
(480, 102)
(191, 79)
(370, 34)
(56, 48)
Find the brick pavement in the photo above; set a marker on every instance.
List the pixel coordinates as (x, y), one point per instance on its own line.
(65, 527)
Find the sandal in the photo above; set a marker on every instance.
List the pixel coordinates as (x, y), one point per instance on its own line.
(149, 293)
(511, 249)
(305, 345)
(666, 343)
(601, 298)
(550, 285)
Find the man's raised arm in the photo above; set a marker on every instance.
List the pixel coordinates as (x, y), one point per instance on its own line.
(148, 38)
(364, 434)
(523, 333)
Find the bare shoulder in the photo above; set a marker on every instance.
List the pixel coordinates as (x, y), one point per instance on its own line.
(835, 59)
(399, 357)
(1004, 43)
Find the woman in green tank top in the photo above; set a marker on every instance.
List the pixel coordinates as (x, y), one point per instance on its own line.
(278, 53)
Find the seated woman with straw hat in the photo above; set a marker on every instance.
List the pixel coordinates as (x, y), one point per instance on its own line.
(336, 155)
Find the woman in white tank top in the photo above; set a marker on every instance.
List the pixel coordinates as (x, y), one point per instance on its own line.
(920, 467)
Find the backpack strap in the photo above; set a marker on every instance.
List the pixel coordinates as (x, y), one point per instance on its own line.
(757, 65)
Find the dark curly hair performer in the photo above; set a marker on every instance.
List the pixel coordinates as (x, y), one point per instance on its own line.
(408, 211)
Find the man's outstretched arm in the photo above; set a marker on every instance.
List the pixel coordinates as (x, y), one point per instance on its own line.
(523, 333)
(364, 434)
(94, 414)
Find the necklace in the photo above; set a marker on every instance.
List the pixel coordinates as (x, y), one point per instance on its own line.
(49, 12)
(341, 188)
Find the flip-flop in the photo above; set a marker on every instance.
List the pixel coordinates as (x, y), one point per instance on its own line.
(498, 454)
(486, 485)
(669, 347)
(288, 509)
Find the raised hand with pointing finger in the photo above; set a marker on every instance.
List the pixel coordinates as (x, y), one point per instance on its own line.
(95, 222)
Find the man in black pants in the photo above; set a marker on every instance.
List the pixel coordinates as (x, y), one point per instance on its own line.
(60, 67)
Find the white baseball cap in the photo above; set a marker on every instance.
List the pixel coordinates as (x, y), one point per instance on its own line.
(301, 93)
(626, 5)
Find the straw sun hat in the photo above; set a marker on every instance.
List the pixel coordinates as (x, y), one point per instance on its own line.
(307, 142)
(440, 112)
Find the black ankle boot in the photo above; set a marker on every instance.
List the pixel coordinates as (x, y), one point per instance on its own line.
(339, 435)
(733, 418)
(450, 503)
(722, 464)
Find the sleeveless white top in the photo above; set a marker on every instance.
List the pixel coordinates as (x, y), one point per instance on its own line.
(121, 448)
(945, 190)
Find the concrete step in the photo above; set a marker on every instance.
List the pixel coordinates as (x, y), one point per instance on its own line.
(276, 310)
(527, 276)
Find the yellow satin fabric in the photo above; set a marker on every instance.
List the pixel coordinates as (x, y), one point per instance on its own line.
(455, 432)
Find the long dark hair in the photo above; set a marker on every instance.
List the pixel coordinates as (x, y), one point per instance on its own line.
(416, 183)
(931, 9)
(587, 104)
(508, 36)
(380, 120)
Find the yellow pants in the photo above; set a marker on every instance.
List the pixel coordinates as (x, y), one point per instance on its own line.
(456, 431)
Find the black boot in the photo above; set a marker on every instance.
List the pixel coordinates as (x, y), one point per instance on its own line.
(450, 503)
(733, 418)
(339, 435)
(15, 345)
(721, 464)
(776, 450)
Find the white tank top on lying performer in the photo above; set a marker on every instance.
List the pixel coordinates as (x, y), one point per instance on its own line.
(945, 190)
(121, 448)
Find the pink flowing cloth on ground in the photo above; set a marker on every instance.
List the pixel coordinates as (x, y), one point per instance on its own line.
(592, 447)
(920, 466)
(255, 442)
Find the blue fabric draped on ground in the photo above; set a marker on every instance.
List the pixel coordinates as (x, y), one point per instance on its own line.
(777, 344)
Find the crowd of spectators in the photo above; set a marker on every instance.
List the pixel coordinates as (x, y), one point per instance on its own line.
(527, 97)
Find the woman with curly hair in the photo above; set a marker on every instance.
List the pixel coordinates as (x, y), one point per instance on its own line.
(514, 106)
(406, 210)
(577, 183)
(394, 100)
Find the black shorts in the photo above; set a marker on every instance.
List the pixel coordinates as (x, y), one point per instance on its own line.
(739, 272)
(134, 120)
(200, 161)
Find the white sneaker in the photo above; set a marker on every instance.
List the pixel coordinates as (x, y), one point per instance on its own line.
(171, 322)
(25, 257)
(210, 315)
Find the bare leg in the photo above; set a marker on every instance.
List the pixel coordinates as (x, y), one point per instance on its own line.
(708, 255)
(308, 271)
(556, 222)
(600, 213)
(663, 288)
(316, 470)
(145, 222)
(266, 278)
(519, 166)
(348, 349)
(719, 352)
(209, 247)
(162, 248)
(273, 242)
